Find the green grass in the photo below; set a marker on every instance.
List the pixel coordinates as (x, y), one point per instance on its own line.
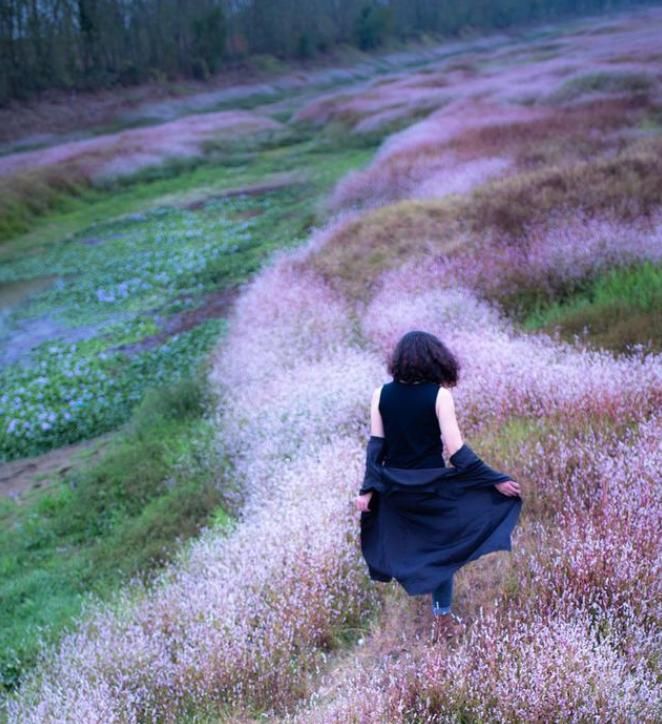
(117, 270)
(161, 479)
(615, 310)
(320, 163)
(602, 82)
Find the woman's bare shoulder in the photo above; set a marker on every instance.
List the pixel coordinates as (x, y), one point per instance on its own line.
(444, 396)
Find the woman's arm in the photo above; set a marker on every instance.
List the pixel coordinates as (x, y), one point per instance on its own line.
(376, 430)
(450, 430)
(376, 423)
(452, 438)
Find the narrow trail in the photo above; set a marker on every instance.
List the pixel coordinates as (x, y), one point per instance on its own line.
(19, 477)
(401, 629)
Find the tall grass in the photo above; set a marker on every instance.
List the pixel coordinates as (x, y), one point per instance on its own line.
(512, 234)
(289, 576)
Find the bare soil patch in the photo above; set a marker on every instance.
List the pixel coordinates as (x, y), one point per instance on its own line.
(215, 304)
(248, 190)
(18, 477)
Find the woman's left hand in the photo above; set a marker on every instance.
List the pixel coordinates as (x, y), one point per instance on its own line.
(362, 501)
(510, 487)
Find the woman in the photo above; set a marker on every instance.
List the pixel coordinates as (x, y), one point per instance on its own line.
(421, 520)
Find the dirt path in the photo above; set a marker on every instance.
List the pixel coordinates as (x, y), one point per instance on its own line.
(402, 629)
(20, 477)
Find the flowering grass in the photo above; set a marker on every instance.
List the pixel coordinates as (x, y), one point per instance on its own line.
(244, 625)
(571, 634)
(524, 371)
(475, 127)
(514, 237)
(308, 436)
(33, 183)
(602, 82)
(275, 575)
(504, 671)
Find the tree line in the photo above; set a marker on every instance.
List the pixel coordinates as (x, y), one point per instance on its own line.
(89, 44)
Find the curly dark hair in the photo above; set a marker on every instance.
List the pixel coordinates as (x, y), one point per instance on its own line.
(422, 357)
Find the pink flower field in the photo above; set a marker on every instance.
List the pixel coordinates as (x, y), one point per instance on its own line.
(277, 618)
(127, 152)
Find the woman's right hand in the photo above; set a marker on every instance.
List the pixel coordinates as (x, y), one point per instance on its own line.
(510, 487)
(362, 501)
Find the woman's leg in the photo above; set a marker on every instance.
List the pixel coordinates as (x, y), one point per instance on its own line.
(442, 596)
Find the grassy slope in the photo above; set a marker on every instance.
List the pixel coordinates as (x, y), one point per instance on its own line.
(626, 184)
(615, 310)
(161, 480)
(218, 171)
(89, 520)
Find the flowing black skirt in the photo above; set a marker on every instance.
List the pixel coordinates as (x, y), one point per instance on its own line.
(424, 524)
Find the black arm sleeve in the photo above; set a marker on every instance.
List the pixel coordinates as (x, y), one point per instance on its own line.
(472, 471)
(374, 455)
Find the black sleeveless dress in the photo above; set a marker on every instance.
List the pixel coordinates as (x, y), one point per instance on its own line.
(411, 426)
(427, 519)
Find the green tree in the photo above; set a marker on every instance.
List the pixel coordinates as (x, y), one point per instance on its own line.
(209, 31)
(372, 26)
